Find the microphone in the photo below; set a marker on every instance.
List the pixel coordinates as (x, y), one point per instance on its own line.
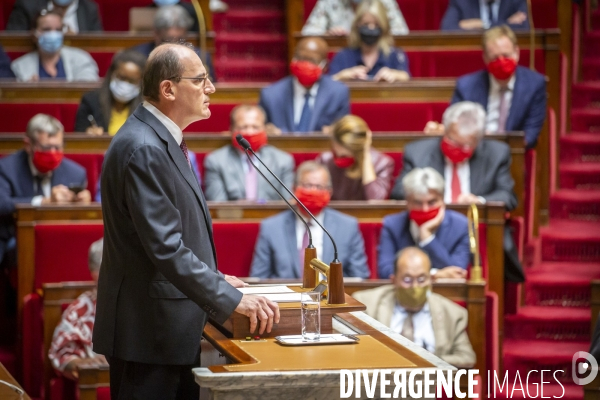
(246, 146)
(310, 242)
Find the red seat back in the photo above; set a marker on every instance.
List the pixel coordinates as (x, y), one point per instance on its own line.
(370, 232)
(218, 121)
(61, 252)
(33, 338)
(21, 113)
(93, 166)
(398, 117)
(235, 242)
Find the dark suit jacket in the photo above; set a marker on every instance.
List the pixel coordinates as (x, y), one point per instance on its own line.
(528, 106)
(159, 280)
(90, 105)
(276, 254)
(24, 12)
(467, 9)
(331, 103)
(5, 71)
(16, 186)
(490, 168)
(450, 246)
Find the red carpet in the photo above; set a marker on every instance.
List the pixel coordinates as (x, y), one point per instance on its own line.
(555, 322)
(251, 42)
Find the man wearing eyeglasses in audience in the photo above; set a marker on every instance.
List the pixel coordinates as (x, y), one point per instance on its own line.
(410, 308)
(279, 250)
(38, 175)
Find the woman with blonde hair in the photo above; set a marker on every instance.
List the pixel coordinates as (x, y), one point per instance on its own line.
(358, 172)
(370, 55)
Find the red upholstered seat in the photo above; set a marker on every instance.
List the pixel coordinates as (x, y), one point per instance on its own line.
(299, 158)
(370, 232)
(61, 252)
(235, 242)
(395, 117)
(218, 121)
(21, 113)
(32, 358)
(93, 166)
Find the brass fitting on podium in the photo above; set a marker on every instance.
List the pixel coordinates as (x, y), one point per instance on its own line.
(334, 280)
(473, 224)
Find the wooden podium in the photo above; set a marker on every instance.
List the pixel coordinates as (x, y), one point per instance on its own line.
(236, 368)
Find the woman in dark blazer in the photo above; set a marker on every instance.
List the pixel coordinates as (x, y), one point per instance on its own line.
(106, 109)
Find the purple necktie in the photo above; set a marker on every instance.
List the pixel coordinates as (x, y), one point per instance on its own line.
(302, 248)
(251, 182)
(183, 147)
(503, 111)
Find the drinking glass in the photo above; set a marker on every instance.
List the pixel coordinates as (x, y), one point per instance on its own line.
(311, 315)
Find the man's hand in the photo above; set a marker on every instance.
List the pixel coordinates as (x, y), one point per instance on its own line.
(473, 23)
(259, 308)
(271, 129)
(429, 227)
(60, 194)
(517, 18)
(95, 130)
(468, 198)
(72, 368)
(337, 31)
(451, 272)
(83, 197)
(348, 74)
(434, 128)
(235, 282)
(390, 75)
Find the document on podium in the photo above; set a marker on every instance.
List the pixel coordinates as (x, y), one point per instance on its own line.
(278, 294)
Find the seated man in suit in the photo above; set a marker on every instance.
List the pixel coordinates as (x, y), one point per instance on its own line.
(308, 100)
(172, 23)
(38, 175)
(71, 346)
(476, 171)
(228, 174)
(484, 14)
(78, 15)
(442, 234)
(409, 308)
(514, 96)
(279, 251)
(5, 71)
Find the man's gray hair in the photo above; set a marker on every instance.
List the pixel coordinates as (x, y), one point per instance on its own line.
(468, 116)
(422, 180)
(172, 17)
(310, 166)
(95, 255)
(43, 123)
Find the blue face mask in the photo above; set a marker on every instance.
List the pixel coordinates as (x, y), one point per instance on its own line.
(51, 41)
(161, 3)
(62, 3)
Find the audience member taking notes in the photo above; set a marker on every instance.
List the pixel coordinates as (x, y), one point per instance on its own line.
(409, 308)
(279, 251)
(441, 233)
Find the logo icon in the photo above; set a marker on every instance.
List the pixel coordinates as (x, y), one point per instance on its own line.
(583, 363)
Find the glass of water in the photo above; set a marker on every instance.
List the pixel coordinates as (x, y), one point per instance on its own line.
(311, 315)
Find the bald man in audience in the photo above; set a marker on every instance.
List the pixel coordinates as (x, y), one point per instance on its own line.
(307, 100)
(410, 308)
(228, 174)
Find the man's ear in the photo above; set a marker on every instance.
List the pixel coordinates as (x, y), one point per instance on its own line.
(517, 52)
(27, 144)
(167, 90)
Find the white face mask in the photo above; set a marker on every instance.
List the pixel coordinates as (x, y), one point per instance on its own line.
(123, 91)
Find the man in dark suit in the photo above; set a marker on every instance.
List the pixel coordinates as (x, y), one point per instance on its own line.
(228, 175)
(38, 175)
(279, 251)
(159, 281)
(306, 101)
(484, 14)
(82, 16)
(5, 71)
(442, 234)
(513, 96)
(475, 171)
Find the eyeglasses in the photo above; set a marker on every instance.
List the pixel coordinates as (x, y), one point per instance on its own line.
(421, 280)
(197, 80)
(314, 187)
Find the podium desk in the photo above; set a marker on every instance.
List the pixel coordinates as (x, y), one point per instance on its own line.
(231, 370)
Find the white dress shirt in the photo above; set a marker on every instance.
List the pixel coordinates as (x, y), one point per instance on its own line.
(317, 233)
(166, 121)
(70, 17)
(484, 13)
(492, 118)
(299, 92)
(422, 325)
(36, 201)
(464, 176)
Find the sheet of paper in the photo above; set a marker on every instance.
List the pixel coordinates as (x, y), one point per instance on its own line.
(265, 289)
(282, 297)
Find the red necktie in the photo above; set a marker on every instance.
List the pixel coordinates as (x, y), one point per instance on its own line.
(455, 183)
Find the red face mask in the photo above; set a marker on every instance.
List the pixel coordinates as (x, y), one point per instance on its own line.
(420, 217)
(456, 154)
(342, 162)
(46, 161)
(502, 68)
(256, 140)
(314, 199)
(306, 72)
